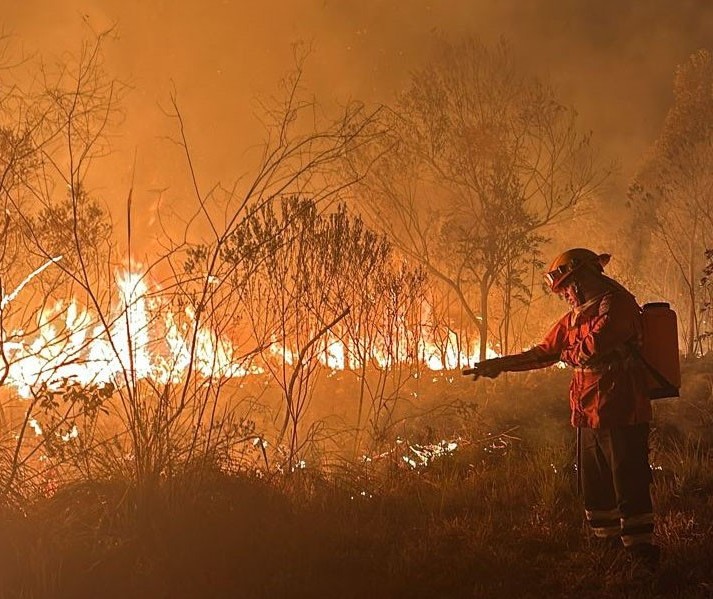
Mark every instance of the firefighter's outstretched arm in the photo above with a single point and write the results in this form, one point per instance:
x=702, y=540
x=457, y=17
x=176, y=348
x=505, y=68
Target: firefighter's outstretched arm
x=531, y=359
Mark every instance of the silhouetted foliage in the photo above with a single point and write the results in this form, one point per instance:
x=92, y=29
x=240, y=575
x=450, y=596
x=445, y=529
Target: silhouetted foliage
x=477, y=159
x=673, y=193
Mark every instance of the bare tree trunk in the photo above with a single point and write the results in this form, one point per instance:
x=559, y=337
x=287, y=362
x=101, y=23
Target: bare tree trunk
x=507, y=309
x=483, y=322
x=692, y=315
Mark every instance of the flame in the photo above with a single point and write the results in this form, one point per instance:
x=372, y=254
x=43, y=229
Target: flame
x=334, y=355
x=73, y=344
x=145, y=338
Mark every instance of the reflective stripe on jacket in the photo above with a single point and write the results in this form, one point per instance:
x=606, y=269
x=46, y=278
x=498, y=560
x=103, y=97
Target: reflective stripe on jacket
x=608, y=387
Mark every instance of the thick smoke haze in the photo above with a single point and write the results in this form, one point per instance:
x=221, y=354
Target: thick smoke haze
x=612, y=60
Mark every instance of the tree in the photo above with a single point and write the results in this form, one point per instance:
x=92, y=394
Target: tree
x=247, y=238
x=310, y=280
x=673, y=192
x=476, y=160
x=76, y=228
x=50, y=131
x=705, y=335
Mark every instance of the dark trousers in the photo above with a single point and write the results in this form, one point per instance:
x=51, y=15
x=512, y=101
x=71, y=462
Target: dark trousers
x=616, y=479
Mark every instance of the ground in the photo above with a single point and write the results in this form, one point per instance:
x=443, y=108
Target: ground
x=497, y=517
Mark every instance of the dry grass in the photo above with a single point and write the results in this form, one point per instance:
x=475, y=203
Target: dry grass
x=488, y=521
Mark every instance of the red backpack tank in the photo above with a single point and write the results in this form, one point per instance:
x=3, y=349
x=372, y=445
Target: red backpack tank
x=660, y=350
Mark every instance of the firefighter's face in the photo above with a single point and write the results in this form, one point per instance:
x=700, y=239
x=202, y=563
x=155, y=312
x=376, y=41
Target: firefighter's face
x=570, y=293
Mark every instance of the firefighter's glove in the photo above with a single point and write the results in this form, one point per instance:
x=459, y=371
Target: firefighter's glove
x=487, y=368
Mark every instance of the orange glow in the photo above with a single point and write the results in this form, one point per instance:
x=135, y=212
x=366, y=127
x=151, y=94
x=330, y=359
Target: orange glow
x=144, y=338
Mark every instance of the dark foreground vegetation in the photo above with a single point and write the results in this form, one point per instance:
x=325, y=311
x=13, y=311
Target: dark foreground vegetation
x=499, y=517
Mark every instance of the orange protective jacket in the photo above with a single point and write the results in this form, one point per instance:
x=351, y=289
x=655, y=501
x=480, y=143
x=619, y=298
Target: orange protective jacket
x=608, y=387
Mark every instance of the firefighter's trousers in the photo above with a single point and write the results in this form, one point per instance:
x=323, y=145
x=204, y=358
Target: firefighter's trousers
x=616, y=480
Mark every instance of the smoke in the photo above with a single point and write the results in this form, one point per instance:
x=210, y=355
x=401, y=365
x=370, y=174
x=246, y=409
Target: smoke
x=611, y=59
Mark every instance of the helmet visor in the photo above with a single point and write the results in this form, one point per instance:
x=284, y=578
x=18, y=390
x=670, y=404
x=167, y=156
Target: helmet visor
x=554, y=277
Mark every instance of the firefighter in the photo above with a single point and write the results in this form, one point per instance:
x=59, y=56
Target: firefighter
x=600, y=339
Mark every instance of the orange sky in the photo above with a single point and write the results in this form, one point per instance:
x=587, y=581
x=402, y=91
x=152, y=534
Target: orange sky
x=612, y=59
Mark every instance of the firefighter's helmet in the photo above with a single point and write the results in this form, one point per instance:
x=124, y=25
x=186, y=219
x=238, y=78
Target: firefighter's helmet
x=571, y=261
